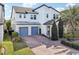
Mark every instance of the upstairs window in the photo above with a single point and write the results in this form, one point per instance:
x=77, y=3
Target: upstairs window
x=24, y=15
x=56, y=16
x=47, y=15
x=35, y=17
x=31, y=17
x=53, y=16
x=20, y=16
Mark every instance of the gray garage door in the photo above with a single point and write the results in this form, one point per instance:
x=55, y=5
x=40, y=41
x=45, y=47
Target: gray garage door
x=23, y=31
x=34, y=31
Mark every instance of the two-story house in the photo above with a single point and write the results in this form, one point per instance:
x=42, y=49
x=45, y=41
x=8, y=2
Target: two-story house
x=1, y=21
x=28, y=21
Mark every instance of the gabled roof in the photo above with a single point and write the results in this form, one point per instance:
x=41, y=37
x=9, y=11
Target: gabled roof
x=23, y=10
x=46, y=6
x=1, y=4
x=50, y=22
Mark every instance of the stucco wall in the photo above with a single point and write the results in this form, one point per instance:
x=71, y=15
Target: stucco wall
x=1, y=33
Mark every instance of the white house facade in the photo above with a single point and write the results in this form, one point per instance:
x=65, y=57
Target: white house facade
x=28, y=21
x=1, y=21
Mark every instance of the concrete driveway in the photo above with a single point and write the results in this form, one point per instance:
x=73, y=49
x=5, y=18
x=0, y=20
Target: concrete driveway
x=41, y=45
x=37, y=40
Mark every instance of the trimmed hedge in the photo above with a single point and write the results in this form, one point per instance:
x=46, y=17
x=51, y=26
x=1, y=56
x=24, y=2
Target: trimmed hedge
x=72, y=45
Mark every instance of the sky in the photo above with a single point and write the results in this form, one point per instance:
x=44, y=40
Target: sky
x=57, y=6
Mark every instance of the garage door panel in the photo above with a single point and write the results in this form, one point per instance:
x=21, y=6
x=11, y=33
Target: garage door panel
x=23, y=31
x=34, y=30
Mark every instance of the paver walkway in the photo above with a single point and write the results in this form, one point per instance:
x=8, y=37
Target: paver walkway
x=41, y=45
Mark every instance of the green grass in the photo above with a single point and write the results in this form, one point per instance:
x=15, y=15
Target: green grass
x=19, y=45
x=24, y=51
x=71, y=44
x=21, y=48
x=9, y=47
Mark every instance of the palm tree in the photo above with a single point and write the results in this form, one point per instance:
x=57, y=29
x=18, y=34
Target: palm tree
x=60, y=26
x=70, y=16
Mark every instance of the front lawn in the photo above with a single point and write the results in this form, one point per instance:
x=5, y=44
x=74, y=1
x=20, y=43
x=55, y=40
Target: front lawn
x=21, y=49
x=9, y=47
x=19, y=45
x=24, y=51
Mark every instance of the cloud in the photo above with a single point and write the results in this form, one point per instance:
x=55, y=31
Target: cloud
x=70, y=4
x=60, y=8
x=28, y=4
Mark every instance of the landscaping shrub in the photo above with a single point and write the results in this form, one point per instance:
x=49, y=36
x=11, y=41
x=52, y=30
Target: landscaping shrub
x=68, y=35
x=54, y=32
x=9, y=47
x=14, y=34
x=60, y=25
x=6, y=37
x=70, y=44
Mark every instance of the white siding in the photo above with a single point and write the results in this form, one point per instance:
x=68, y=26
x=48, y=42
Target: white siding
x=40, y=17
x=1, y=33
x=42, y=14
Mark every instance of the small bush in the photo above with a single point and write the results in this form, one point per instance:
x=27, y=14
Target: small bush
x=6, y=37
x=14, y=34
x=70, y=44
x=68, y=35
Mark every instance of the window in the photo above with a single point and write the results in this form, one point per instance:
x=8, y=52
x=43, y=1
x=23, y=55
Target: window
x=48, y=30
x=56, y=16
x=35, y=17
x=24, y=15
x=47, y=15
x=53, y=16
x=20, y=16
x=31, y=16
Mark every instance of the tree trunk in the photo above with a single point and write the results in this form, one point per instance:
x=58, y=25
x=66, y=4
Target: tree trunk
x=73, y=33
x=73, y=29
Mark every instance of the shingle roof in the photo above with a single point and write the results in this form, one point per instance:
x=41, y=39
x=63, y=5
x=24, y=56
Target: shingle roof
x=22, y=9
x=27, y=23
x=49, y=22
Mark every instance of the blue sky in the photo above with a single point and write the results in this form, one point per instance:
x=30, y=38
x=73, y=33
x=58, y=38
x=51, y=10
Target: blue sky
x=58, y=6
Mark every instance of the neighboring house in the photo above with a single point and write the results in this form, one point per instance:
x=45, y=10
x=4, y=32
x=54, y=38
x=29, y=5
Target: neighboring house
x=28, y=21
x=1, y=21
